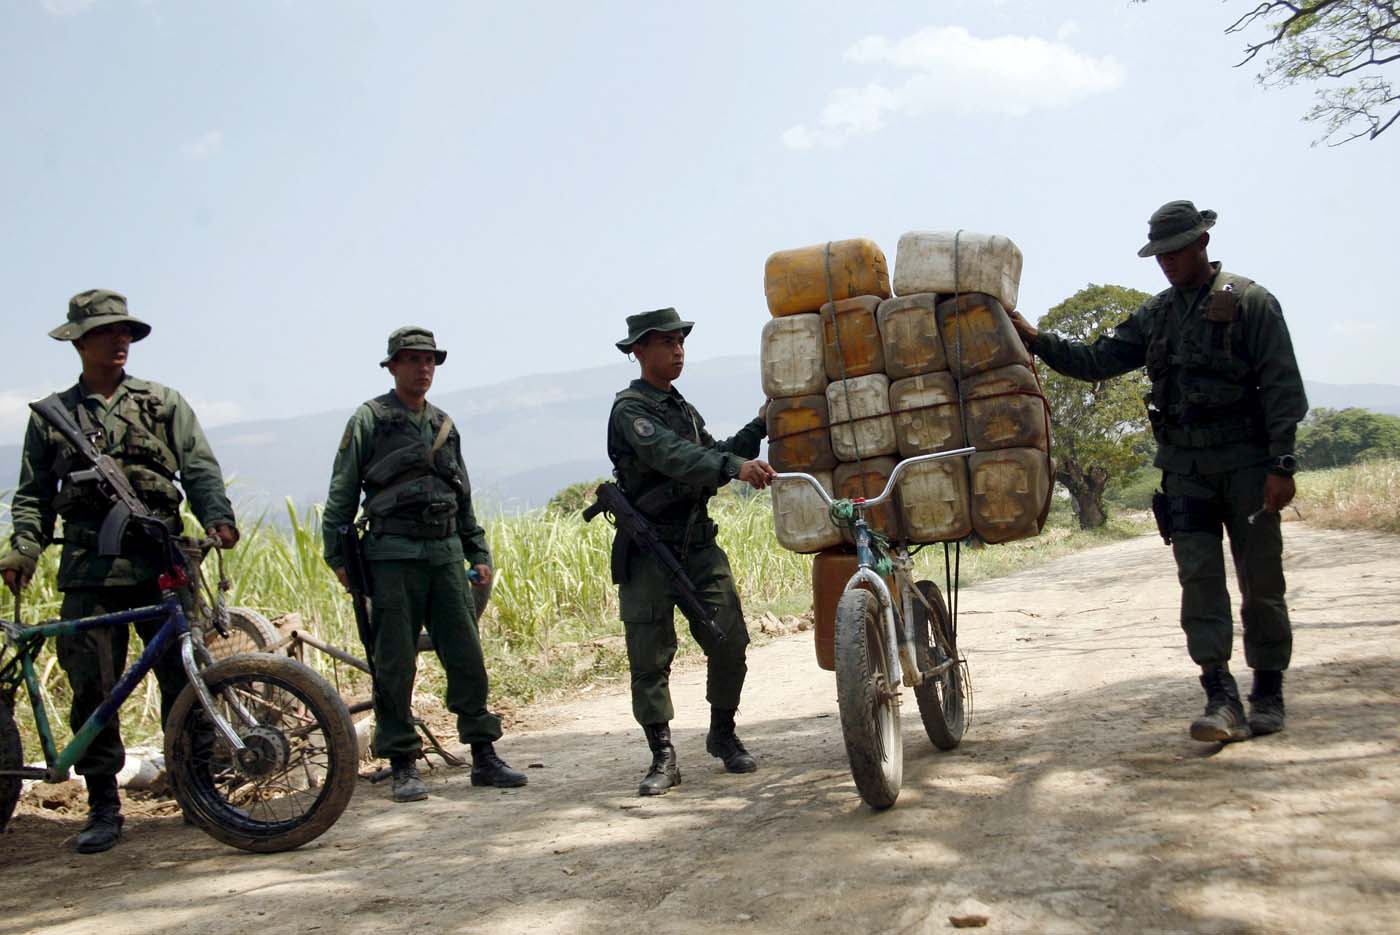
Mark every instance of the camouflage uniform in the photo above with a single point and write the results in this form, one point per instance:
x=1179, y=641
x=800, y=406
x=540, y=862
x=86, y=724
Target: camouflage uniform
x=151, y=431
x=1225, y=404
x=421, y=527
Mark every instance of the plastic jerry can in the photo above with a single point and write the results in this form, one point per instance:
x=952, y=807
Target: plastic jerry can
x=798, y=434
x=950, y=262
x=1005, y=409
x=860, y=417
x=831, y=569
x=862, y=351
x=1010, y=493
x=978, y=335
x=800, y=516
x=909, y=329
x=867, y=479
x=933, y=497
x=795, y=280
x=790, y=356
x=926, y=414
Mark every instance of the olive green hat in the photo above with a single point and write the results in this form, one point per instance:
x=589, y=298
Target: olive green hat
x=93, y=309
x=663, y=319
x=1175, y=225
x=412, y=338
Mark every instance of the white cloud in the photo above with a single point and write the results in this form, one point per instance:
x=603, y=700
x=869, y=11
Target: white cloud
x=66, y=7
x=1355, y=327
x=947, y=69
x=204, y=147
x=1068, y=28
x=216, y=411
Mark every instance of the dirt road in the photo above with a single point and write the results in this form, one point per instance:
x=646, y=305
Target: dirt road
x=1076, y=803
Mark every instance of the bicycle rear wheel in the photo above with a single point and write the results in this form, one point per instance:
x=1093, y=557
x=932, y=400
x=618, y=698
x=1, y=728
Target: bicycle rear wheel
x=298, y=773
x=249, y=632
x=867, y=693
x=11, y=757
x=941, y=698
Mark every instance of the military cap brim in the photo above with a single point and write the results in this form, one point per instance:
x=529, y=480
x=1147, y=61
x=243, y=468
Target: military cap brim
x=662, y=319
x=438, y=353
x=1174, y=242
x=73, y=330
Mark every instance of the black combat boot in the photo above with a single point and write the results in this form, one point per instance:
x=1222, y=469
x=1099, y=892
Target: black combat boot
x=1223, y=721
x=490, y=770
x=722, y=742
x=408, y=786
x=665, y=772
x=1266, y=702
x=104, y=824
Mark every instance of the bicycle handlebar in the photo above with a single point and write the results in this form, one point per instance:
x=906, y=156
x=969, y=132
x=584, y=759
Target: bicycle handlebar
x=889, y=486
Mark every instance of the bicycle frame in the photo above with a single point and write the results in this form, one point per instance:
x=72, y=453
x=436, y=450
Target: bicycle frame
x=899, y=633
x=28, y=641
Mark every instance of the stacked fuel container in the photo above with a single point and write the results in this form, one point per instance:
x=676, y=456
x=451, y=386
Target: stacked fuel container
x=860, y=379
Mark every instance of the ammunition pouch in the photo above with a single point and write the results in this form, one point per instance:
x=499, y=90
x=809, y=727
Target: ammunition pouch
x=1186, y=514
x=621, y=553
x=423, y=508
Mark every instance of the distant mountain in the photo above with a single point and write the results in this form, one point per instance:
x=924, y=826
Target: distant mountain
x=524, y=439
x=527, y=438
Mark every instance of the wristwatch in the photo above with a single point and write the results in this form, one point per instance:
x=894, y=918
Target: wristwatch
x=1284, y=465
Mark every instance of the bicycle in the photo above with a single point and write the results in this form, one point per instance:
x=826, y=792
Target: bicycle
x=881, y=643
x=259, y=749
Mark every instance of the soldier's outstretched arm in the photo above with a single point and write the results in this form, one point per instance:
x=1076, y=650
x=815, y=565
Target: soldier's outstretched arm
x=1120, y=351
x=200, y=473
x=666, y=452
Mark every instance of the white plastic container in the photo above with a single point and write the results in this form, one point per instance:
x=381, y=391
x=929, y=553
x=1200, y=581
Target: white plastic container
x=800, y=519
x=790, y=356
x=934, y=497
x=926, y=416
x=909, y=330
x=863, y=427
x=926, y=261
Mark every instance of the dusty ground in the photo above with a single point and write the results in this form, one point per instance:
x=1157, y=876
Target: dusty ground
x=1076, y=803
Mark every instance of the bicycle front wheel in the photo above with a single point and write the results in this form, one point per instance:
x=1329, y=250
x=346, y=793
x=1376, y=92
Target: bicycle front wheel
x=942, y=697
x=298, y=772
x=867, y=693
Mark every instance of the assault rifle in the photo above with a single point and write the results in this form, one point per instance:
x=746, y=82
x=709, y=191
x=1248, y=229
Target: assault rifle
x=637, y=530
x=110, y=480
x=357, y=573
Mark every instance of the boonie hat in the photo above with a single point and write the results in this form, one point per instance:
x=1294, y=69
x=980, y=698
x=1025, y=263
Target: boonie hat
x=1175, y=225
x=662, y=319
x=93, y=309
x=412, y=338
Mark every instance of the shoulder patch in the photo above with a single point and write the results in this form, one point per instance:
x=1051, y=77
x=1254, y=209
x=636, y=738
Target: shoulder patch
x=643, y=427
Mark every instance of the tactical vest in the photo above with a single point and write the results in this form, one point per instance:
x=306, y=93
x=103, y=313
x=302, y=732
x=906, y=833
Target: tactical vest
x=1204, y=391
x=144, y=448
x=677, y=509
x=412, y=488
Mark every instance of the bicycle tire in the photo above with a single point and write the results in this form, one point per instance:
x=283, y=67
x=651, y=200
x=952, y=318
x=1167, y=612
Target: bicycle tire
x=869, y=717
x=941, y=699
x=11, y=757
x=249, y=632
x=302, y=724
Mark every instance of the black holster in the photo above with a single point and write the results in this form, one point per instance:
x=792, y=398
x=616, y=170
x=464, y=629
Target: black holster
x=1162, y=514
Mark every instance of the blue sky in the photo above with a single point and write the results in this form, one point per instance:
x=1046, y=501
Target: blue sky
x=277, y=185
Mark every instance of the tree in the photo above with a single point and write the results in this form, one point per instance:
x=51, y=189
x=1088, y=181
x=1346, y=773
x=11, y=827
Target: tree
x=1100, y=429
x=1345, y=42
x=573, y=498
x=1332, y=437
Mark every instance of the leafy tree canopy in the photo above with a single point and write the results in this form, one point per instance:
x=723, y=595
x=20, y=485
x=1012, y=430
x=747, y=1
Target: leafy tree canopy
x=1334, y=437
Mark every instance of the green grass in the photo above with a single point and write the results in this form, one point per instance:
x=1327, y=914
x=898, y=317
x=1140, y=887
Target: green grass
x=1365, y=495
x=553, y=609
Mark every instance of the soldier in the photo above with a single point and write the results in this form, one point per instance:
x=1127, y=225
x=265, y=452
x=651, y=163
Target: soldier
x=153, y=434
x=407, y=456
x=669, y=467
x=1225, y=405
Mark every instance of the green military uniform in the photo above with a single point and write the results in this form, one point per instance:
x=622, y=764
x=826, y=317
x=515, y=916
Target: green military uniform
x=421, y=527
x=151, y=431
x=1225, y=403
x=669, y=467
